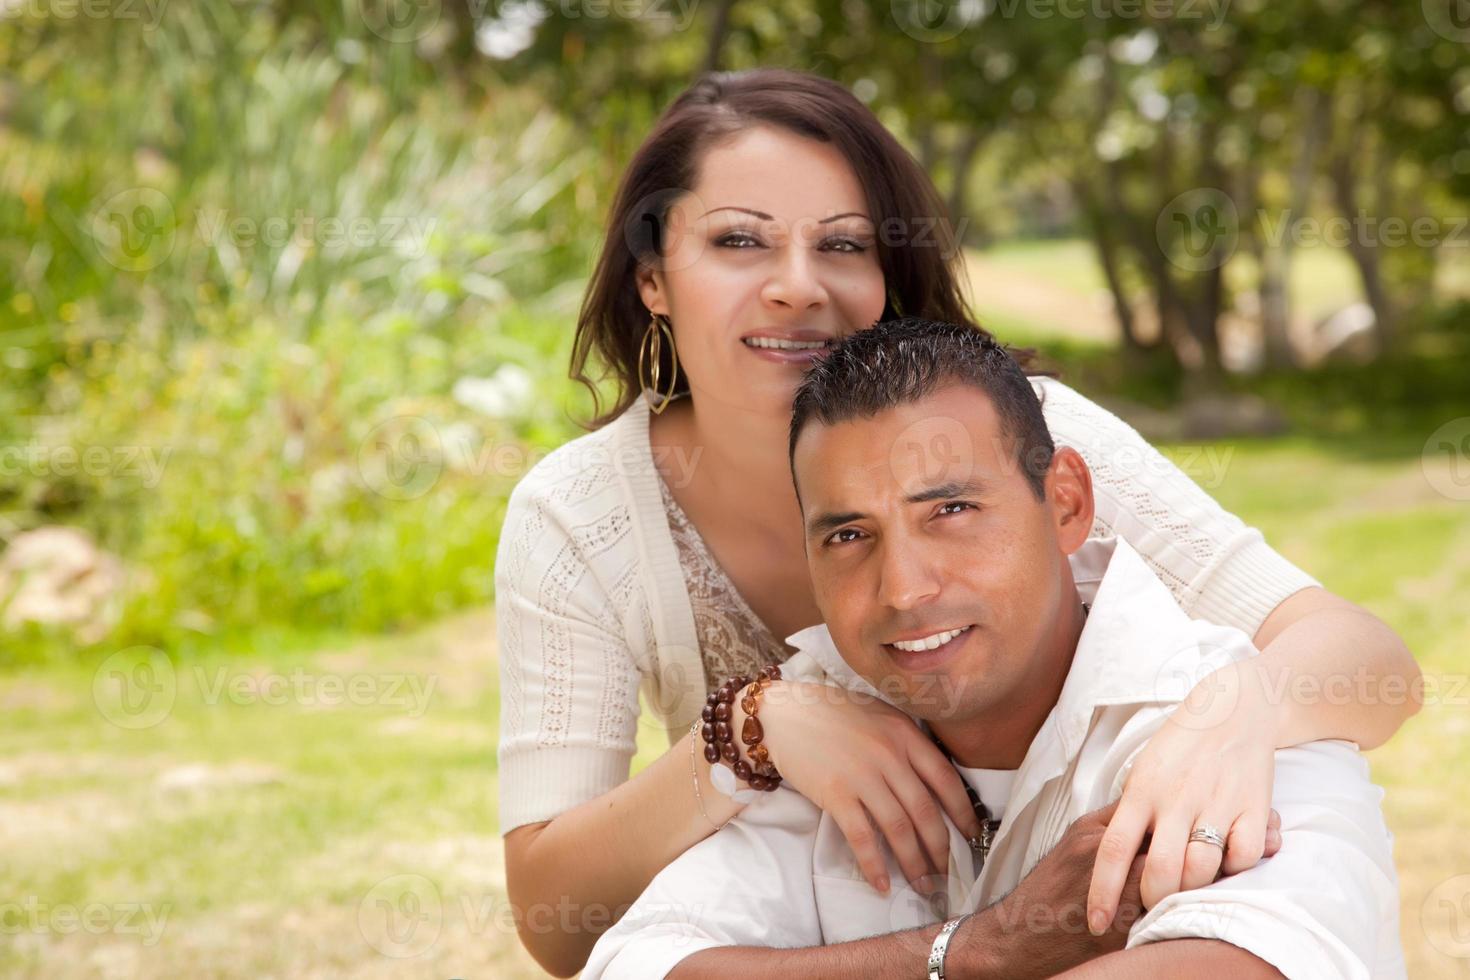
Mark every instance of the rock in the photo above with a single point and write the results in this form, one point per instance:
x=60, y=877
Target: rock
x=1203, y=417
x=59, y=576
x=1348, y=334
x=1227, y=416
x=199, y=776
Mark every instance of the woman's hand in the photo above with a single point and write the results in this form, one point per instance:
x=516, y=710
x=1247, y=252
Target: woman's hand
x=872, y=769
x=1213, y=763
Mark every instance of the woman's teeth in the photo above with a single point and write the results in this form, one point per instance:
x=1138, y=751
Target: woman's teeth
x=928, y=642
x=775, y=344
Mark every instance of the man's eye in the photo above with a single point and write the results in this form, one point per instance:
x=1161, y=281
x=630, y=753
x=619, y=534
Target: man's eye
x=844, y=536
x=959, y=505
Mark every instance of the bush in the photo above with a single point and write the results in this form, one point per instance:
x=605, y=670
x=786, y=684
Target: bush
x=249, y=283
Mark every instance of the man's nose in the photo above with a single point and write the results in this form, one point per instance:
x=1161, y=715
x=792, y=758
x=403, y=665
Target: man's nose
x=909, y=578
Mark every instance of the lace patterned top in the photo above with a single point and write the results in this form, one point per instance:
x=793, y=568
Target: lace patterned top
x=732, y=638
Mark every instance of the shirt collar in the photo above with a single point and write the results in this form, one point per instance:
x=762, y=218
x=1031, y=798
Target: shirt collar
x=1136, y=647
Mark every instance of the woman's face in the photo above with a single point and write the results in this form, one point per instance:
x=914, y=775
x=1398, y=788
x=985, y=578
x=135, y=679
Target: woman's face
x=767, y=260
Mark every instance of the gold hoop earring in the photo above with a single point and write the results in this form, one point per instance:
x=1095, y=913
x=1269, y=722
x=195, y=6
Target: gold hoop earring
x=652, y=346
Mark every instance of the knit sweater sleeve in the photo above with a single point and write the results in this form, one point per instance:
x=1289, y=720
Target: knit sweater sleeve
x=568, y=621
x=1218, y=568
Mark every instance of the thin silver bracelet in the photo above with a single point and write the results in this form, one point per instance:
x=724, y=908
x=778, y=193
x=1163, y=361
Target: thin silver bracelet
x=694, y=772
x=941, y=946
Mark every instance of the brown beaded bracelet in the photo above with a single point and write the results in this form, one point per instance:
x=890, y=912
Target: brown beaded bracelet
x=719, y=739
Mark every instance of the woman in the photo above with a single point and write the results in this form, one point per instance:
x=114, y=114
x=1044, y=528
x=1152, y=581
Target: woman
x=767, y=215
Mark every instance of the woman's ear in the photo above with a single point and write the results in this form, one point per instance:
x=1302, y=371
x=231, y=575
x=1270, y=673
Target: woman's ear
x=1069, y=492
x=651, y=289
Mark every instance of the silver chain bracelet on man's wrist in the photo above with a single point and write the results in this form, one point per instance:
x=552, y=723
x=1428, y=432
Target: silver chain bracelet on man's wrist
x=941, y=946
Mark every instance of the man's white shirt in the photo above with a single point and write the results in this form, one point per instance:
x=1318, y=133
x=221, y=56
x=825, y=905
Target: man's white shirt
x=781, y=874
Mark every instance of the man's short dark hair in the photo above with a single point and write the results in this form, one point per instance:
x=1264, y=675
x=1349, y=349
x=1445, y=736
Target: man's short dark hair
x=899, y=362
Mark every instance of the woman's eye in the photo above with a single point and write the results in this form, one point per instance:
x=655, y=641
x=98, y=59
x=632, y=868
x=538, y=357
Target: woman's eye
x=737, y=239
x=844, y=245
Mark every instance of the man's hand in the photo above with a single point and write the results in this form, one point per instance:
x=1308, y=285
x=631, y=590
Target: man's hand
x=1040, y=929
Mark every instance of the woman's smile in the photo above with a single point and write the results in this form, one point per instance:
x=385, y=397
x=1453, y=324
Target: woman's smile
x=799, y=346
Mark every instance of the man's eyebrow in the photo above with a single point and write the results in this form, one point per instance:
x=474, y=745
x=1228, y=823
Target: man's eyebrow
x=945, y=491
x=825, y=523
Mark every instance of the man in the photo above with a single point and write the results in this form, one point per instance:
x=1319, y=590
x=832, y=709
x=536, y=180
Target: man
x=947, y=543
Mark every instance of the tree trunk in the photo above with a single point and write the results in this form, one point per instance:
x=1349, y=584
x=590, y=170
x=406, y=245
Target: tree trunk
x=962, y=162
x=1364, y=255
x=718, y=31
x=1105, y=244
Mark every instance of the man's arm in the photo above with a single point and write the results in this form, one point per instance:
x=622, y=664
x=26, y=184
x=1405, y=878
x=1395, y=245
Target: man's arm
x=878, y=958
x=748, y=884
x=1036, y=931
x=1176, y=958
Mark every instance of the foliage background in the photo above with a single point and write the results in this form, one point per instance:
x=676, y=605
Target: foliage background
x=336, y=421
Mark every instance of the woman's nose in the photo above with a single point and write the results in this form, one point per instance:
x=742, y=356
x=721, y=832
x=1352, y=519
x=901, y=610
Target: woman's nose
x=795, y=283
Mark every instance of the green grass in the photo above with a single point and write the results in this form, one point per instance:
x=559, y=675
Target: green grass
x=269, y=870
x=238, y=810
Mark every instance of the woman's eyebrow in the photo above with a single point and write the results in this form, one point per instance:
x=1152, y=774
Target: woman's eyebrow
x=766, y=217
x=730, y=207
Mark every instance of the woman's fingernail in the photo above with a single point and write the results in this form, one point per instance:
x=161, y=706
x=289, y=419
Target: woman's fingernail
x=1097, y=921
x=883, y=885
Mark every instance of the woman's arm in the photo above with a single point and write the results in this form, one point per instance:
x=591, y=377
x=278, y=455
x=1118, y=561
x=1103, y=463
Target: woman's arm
x=1336, y=671
x=582, y=840
x=1221, y=570
x=1327, y=669
x=572, y=877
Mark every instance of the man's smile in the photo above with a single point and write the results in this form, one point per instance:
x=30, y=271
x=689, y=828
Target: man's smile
x=928, y=651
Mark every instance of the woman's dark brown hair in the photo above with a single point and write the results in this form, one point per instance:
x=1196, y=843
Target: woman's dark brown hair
x=920, y=273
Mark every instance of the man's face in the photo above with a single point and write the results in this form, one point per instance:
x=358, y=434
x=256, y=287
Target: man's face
x=919, y=523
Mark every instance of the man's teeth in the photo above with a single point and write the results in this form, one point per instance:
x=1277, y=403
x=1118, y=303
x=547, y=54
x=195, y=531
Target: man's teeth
x=928, y=642
x=775, y=344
